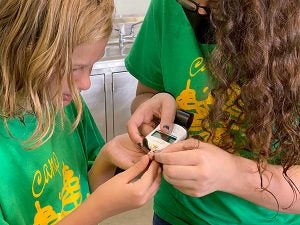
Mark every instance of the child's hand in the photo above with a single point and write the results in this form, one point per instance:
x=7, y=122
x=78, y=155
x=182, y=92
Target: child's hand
x=131, y=188
x=122, y=152
x=127, y=190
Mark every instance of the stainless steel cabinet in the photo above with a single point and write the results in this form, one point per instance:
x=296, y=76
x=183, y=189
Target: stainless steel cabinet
x=110, y=96
x=124, y=86
x=95, y=99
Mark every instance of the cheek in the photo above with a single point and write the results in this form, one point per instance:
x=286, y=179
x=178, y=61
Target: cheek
x=65, y=86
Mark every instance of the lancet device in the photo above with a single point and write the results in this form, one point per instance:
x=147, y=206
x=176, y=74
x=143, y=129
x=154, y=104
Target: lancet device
x=157, y=139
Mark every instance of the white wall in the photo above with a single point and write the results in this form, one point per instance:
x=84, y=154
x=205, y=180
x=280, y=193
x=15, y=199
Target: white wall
x=131, y=7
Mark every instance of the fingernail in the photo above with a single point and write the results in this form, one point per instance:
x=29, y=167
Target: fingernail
x=166, y=127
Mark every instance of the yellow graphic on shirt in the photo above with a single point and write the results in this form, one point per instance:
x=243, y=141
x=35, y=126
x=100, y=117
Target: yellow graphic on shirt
x=43, y=177
x=187, y=100
x=45, y=215
x=70, y=197
x=197, y=66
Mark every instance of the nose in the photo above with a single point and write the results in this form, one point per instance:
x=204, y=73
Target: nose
x=83, y=82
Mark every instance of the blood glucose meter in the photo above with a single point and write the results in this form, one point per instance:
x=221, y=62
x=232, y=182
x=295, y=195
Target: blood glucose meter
x=157, y=139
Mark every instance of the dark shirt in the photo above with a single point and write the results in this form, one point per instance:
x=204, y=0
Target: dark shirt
x=204, y=30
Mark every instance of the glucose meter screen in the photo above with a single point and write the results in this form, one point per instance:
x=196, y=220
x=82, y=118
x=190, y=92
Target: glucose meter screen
x=165, y=137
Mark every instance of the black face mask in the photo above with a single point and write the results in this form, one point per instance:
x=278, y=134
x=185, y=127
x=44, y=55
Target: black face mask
x=204, y=31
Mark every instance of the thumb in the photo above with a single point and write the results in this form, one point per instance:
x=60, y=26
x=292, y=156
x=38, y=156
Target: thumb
x=165, y=103
x=168, y=113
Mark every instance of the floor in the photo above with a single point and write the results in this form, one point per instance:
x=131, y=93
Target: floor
x=141, y=216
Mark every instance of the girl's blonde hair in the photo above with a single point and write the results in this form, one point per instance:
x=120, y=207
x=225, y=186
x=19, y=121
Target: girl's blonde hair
x=37, y=38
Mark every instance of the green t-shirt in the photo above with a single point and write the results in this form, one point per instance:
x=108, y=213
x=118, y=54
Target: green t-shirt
x=43, y=185
x=167, y=57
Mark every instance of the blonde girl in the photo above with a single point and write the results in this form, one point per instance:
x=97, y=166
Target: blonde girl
x=48, y=140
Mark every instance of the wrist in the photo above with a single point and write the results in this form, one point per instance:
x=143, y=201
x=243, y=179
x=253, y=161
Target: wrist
x=165, y=93
x=246, y=182
x=243, y=176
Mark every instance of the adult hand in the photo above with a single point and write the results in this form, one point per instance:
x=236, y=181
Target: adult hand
x=197, y=168
x=161, y=106
x=122, y=152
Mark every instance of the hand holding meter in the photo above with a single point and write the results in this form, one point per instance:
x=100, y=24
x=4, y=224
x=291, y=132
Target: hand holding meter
x=157, y=140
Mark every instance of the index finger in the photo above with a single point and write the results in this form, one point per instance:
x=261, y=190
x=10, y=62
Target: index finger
x=181, y=158
x=141, y=116
x=184, y=145
x=133, y=129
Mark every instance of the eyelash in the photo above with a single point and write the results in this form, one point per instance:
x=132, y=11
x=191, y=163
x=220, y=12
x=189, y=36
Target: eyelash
x=76, y=69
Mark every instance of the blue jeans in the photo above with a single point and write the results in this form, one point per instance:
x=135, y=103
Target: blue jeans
x=158, y=221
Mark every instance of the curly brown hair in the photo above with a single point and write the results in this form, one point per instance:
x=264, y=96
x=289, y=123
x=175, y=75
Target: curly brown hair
x=258, y=45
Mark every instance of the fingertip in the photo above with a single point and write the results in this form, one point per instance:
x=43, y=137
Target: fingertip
x=135, y=136
x=166, y=127
x=133, y=132
x=151, y=155
x=156, y=157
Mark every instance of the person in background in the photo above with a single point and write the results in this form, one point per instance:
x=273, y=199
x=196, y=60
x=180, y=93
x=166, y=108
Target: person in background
x=51, y=169
x=235, y=64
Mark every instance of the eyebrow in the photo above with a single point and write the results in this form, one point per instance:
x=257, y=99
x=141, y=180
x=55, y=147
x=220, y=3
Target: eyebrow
x=80, y=65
